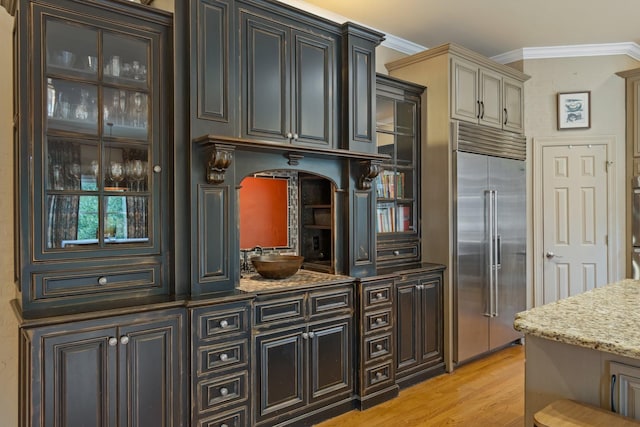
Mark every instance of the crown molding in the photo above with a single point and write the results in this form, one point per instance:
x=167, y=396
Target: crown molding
x=625, y=48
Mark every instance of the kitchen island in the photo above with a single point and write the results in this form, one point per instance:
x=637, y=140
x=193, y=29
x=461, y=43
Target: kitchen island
x=586, y=348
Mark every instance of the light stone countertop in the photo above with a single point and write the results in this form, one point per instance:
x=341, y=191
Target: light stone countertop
x=605, y=319
x=253, y=282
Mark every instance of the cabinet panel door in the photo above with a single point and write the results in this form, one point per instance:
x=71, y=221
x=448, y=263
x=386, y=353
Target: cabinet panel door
x=150, y=372
x=625, y=389
x=513, y=105
x=330, y=359
x=464, y=90
x=432, y=330
x=280, y=362
x=265, y=80
x=490, y=98
x=314, y=86
x=407, y=320
x=78, y=367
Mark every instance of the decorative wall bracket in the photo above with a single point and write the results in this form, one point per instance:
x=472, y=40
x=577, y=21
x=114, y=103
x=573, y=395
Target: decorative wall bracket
x=294, y=159
x=371, y=169
x=220, y=159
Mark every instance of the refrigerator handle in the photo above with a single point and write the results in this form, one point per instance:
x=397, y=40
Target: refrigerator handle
x=490, y=226
x=497, y=257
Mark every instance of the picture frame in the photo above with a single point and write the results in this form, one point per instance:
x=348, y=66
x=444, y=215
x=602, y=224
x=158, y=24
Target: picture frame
x=574, y=110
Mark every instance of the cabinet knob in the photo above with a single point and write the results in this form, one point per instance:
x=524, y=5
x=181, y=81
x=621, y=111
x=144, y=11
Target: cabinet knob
x=379, y=347
x=157, y=168
x=305, y=335
x=224, y=323
x=113, y=342
x=224, y=357
x=396, y=253
x=379, y=295
x=379, y=320
x=289, y=135
x=295, y=136
x=224, y=425
x=378, y=374
x=124, y=340
x=312, y=334
x=102, y=280
x=224, y=391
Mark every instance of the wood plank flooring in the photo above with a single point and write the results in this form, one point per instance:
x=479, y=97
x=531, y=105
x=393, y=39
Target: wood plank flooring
x=486, y=392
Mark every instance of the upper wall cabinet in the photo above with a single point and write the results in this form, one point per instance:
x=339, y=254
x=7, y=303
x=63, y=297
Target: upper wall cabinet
x=288, y=80
x=268, y=72
x=92, y=142
x=482, y=95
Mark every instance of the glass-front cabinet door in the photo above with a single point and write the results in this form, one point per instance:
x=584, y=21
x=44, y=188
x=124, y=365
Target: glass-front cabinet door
x=397, y=194
x=93, y=85
x=98, y=154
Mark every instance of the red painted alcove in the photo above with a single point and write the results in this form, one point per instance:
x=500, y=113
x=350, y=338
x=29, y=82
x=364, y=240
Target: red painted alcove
x=264, y=212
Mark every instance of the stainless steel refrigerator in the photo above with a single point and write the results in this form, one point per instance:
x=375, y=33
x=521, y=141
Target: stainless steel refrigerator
x=489, y=275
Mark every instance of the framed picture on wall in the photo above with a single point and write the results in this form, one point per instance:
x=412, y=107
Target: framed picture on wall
x=574, y=110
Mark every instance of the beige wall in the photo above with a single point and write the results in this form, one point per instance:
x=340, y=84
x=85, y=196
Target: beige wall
x=596, y=74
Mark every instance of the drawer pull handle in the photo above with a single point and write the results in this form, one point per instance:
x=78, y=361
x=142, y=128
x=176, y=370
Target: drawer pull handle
x=396, y=253
x=102, y=280
x=224, y=425
x=379, y=295
x=379, y=321
x=224, y=323
x=378, y=375
x=305, y=335
x=379, y=347
x=312, y=334
x=224, y=391
x=224, y=357
x=124, y=340
x=113, y=342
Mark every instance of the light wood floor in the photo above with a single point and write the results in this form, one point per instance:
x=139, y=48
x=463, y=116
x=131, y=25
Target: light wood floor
x=486, y=392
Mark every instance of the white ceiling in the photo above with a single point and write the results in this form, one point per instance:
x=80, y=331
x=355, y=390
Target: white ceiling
x=491, y=27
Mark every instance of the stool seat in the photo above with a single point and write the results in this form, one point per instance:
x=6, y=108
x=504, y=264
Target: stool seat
x=569, y=413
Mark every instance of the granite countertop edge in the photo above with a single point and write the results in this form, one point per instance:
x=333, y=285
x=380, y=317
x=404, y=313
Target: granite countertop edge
x=604, y=319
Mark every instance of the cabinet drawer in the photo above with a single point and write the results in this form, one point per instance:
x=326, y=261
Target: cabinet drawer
x=337, y=300
x=377, y=346
x=377, y=320
x=377, y=295
x=378, y=374
x=69, y=284
x=230, y=355
x=280, y=310
x=222, y=391
x=237, y=418
x=215, y=322
x=400, y=252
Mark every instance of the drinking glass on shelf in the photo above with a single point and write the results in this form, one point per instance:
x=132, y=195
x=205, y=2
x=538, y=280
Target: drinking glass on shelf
x=116, y=173
x=123, y=107
x=58, y=177
x=74, y=171
x=115, y=66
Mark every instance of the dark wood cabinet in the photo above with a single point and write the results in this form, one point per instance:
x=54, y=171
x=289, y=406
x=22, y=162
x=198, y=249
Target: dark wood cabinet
x=220, y=363
x=397, y=188
x=92, y=152
x=419, y=326
x=289, y=80
x=376, y=341
x=123, y=370
x=316, y=222
x=304, y=354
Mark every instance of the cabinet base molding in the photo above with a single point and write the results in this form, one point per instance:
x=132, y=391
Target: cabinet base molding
x=313, y=417
x=373, y=399
x=420, y=376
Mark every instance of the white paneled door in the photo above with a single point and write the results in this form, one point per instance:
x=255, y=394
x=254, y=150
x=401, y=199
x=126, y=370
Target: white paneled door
x=575, y=209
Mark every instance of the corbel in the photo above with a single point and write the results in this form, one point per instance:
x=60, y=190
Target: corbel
x=294, y=159
x=219, y=160
x=370, y=170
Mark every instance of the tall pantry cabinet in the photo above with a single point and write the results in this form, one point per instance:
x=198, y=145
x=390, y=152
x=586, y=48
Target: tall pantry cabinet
x=98, y=323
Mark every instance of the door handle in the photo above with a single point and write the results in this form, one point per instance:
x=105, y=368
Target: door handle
x=551, y=255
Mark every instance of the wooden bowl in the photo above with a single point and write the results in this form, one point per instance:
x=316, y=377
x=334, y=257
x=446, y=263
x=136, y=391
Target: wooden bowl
x=277, y=266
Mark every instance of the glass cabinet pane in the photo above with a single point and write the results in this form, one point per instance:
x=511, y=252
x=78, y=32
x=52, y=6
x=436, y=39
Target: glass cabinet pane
x=385, y=119
x=125, y=113
x=71, y=48
x=404, y=184
x=385, y=142
x=125, y=59
x=404, y=218
x=72, y=106
x=71, y=220
x=404, y=150
x=405, y=119
x=71, y=165
x=126, y=219
x=126, y=169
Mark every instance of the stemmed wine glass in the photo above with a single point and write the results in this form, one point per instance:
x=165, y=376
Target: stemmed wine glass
x=116, y=173
x=73, y=170
x=136, y=170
